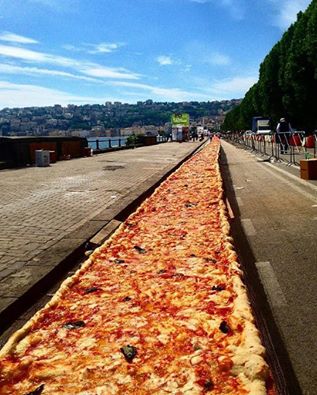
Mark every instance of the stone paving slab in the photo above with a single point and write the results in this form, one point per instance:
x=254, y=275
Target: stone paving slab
x=48, y=213
x=104, y=233
x=86, y=230
x=275, y=230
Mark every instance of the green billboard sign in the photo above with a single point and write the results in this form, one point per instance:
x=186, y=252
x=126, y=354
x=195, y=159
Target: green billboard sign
x=180, y=119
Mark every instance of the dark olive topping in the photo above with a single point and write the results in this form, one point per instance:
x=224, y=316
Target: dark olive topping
x=224, y=327
x=129, y=352
x=188, y=204
x=197, y=347
x=37, y=391
x=127, y=299
x=140, y=249
x=209, y=385
x=212, y=260
x=193, y=255
x=119, y=261
x=91, y=290
x=218, y=288
x=74, y=324
x=162, y=271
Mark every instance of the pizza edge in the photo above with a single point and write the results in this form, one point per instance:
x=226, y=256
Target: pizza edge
x=248, y=359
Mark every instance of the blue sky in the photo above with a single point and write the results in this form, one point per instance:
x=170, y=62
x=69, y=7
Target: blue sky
x=92, y=51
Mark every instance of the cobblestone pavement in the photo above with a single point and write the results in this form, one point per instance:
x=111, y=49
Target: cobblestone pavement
x=41, y=206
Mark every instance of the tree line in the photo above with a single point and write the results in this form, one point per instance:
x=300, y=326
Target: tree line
x=287, y=85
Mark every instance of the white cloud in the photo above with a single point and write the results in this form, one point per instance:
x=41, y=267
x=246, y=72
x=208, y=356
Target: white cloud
x=157, y=92
x=23, y=61
x=15, y=38
x=104, y=47
x=98, y=71
x=164, y=60
x=36, y=72
x=84, y=67
x=161, y=93
x=70, y=47
x=217, y=58
x=32, y=56
x=287, y=11
x=93, y=48
x=205, y=53
x=233, y=86
x=176, y=94
x=22, y=95
x=236, y=8
x=27, y=95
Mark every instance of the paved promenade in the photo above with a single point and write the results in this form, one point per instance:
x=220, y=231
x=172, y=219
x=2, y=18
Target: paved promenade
x=46, y=213
x=275, y=227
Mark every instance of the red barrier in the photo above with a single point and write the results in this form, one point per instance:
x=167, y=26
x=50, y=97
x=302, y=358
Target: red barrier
x=310, y=141
x=295, y=140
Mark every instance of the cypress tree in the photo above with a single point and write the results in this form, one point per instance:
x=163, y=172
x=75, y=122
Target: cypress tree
x=287, y=84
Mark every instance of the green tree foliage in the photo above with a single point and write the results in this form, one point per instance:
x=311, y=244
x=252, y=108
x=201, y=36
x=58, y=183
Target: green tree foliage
x=287, y=85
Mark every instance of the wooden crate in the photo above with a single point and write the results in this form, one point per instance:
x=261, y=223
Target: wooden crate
x=308, y=169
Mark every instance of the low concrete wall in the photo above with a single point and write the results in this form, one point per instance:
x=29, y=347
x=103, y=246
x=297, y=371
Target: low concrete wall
x=20, y=151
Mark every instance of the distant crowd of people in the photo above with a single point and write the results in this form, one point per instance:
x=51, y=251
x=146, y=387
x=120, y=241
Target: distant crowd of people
x=189, y=135
x=195, y=135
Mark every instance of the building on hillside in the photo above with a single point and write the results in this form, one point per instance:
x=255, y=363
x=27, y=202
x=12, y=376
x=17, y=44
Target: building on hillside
x=80, y=133
x=98, y=131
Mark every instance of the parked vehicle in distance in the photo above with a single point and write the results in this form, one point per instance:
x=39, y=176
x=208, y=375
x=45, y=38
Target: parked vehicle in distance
x=261, y=125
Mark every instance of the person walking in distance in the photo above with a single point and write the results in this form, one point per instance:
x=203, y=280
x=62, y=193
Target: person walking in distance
x=282, y=130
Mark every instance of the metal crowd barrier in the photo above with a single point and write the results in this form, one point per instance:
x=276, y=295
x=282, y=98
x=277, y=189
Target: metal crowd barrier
x=289, y=147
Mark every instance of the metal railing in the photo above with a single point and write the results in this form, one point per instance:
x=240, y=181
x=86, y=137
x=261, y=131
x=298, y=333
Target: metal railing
x=104, y=144
x=289, y=147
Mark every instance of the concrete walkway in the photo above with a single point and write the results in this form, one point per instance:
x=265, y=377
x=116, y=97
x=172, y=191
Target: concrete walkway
x=275, y=228
x=48, y=213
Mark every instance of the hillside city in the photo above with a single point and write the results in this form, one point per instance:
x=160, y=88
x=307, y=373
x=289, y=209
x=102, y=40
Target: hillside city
x=109, y=119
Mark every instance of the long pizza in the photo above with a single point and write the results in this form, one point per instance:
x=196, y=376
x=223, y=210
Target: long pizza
x=160, y=308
